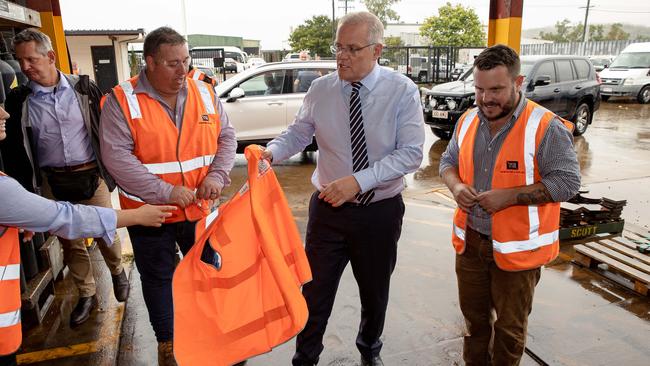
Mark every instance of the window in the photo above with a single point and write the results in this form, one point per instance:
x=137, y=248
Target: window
x=582, y=67
x=268, y=83
x=302, y=78
x=547, y=69
x=565, y=70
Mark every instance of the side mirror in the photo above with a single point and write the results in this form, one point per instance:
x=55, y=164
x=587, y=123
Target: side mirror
x=235, y=94
x=542, y=80
x=605, y=66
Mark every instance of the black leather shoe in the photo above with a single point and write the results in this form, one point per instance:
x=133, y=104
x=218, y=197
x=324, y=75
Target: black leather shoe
x=375, y=361
x=120, y=286
x=81, y=312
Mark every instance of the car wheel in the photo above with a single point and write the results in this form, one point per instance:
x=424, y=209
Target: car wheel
x=422, y=77
x=644, y=95
x=441, y=134
x=604, y=97
x=582, y=119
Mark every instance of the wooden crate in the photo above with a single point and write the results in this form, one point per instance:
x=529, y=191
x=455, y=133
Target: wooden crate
x=617, y=255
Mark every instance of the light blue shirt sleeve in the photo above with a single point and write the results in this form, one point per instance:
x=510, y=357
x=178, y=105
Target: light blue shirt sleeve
x=32, y=212
x=407, y=156
x=298, y=135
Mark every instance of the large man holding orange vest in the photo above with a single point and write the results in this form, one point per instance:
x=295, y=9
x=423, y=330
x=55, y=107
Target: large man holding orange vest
x=509, y=164
x=166, y=140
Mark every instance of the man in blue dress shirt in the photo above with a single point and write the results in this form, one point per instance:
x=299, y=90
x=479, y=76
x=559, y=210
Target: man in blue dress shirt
x=54, y=143
x=368, y=123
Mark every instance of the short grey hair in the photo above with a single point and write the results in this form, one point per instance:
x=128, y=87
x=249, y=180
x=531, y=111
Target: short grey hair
x=43, y=43
x=375, y=26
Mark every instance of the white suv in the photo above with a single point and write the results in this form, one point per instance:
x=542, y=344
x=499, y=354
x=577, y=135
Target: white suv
x=262, y=102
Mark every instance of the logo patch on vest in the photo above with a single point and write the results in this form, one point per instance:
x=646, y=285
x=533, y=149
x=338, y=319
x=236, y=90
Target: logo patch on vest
x=205, y=119
x=512, y=165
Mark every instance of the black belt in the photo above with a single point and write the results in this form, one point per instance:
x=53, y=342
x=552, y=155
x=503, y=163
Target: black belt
x=70, y=168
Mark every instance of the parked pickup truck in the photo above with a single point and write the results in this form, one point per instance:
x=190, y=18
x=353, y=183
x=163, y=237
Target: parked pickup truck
x=566, y=85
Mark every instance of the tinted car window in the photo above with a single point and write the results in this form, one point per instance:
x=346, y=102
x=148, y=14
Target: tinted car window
x=302, y=78
x=582, y=67
x=564, y=70
x=268, y=83
x=547, y=69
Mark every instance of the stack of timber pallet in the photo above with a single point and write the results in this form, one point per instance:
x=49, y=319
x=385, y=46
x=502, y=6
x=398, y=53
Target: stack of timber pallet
x=619, y=256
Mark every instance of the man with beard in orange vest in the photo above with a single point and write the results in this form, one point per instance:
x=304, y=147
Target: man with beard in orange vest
x=166, y=140
x=509, y=165
x=25, y=210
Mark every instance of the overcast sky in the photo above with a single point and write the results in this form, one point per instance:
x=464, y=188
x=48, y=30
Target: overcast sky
x=270, y=21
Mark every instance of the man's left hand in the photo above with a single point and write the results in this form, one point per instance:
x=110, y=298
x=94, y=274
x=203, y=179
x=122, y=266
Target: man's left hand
x=495, y=200
x=340, y=191
x=209, y=189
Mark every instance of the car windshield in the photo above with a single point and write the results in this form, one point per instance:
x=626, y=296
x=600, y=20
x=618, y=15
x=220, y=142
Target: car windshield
x=235, y=56
x=636, y=60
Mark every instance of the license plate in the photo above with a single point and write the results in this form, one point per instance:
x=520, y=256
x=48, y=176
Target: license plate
x=439, y=114
x=607, y=90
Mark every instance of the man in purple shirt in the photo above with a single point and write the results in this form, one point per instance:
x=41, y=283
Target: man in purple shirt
x=54, y=127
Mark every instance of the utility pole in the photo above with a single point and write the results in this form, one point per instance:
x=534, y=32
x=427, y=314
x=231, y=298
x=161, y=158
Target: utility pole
x=345, y=6
x=584, y=30
x=333, y=23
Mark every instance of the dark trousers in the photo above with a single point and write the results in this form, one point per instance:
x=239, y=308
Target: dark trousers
x=8, y=360
x=367, y=238
x=154, y=250
x=482, y=288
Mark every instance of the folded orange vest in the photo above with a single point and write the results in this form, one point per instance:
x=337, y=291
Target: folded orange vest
x=237, y=292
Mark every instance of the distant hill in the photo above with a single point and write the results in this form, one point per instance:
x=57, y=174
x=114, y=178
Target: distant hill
x=633, y=29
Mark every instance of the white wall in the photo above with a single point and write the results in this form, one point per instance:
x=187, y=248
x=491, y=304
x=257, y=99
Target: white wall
x=79, y=48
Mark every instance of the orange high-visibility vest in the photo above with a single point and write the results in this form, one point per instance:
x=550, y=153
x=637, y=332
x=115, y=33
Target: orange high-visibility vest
x=10, y=326
x=248, y=299
x=523, y=237
x=177, y=157
x=197, y=74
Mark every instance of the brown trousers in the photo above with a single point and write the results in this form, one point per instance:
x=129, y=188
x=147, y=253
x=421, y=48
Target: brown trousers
x=493, y=302
x=75, y=254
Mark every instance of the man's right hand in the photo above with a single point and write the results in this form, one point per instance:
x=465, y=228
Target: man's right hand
x=182, y=196
x=465, y=196
x=267, y=155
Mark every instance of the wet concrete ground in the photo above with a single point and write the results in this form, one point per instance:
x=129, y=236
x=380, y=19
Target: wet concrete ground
x=579, y=317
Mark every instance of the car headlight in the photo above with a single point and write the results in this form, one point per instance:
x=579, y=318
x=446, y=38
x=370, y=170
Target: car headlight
x=628, y=81
x=423, y=100
x=451, y=104
x=433, y=102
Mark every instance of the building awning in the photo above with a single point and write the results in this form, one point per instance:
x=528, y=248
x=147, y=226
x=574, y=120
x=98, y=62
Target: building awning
x=105, y=32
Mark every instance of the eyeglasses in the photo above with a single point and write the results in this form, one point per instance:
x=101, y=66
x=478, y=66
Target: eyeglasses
x=172, y=64
x=352, y=51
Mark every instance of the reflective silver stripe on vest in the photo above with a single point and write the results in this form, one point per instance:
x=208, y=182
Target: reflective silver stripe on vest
x=532, y=126
x=10, y=272
x=525, y=245
x=211, y=217
x=534, y=241
x=182, y=167
x=132, y=99
x=460, y=233
x=129, y=196
x=196, y=74
x=467, y=122
x=9, y=319
x=208, y=103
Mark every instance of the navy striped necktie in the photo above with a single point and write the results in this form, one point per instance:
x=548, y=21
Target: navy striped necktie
x=358, y=141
